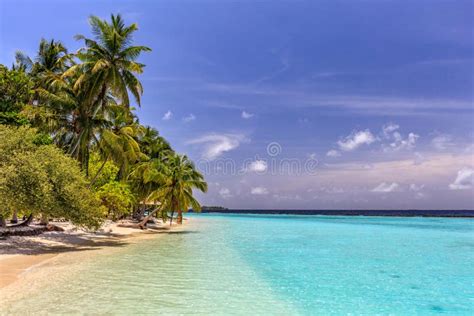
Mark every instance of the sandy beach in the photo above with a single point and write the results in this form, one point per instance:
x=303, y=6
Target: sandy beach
x=20, y=255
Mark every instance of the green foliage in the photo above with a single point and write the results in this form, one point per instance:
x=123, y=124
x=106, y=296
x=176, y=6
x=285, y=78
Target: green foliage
x=42, y=139
x=107, y=174
x=13, y=118
x=117, y=198
x=109, y=60
x=80, y=102
x=178, y=179
x=15, y=92
x=43, y=180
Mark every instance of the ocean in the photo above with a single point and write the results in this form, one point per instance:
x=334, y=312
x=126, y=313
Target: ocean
x=242, y=264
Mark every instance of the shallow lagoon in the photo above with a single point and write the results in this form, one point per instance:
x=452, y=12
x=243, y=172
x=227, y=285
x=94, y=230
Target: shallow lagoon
x=276, y=264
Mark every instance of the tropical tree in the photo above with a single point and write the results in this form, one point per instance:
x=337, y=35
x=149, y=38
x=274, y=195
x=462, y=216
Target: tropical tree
x=152, y=144
x=117, y=198
x=74, y=98
x=64, y=112
x=109, y=61
x=106, y=74
x=118, y=141
x=178, y=179
x=108, y=173
x=52, y=58
x=15, y=92
x=81, y=103
x=146, y=175
x=39, y=179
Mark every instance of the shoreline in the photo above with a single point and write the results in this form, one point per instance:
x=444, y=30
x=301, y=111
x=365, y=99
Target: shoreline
x=352, y=213
x=20, y=255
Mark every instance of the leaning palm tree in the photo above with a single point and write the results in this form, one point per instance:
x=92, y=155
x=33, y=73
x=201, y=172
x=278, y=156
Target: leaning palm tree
x=175, y=194
x=146, y=175
x=109, y=61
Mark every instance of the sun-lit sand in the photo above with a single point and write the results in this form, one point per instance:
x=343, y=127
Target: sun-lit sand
x=20, y=254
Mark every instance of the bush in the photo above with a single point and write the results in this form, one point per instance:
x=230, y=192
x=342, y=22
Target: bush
x=107, y=174
x=41, y=179
x=117, y=198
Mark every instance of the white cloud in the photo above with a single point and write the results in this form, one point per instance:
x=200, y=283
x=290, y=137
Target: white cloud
x=464, y=180
x=415, y=187
x=225, y=193
x=419, y=159
x=373, y=104
x=333, y=153
x=287, y=197
x=389, y=128
x=168, y=115
x=259, y=191
x=442, y=142
x=189, y=118
x=246, y=115
x=399, y=143
x=386, y=187
x=217, y=144
x=356, y=139
x=390, y=132
x=258, y=166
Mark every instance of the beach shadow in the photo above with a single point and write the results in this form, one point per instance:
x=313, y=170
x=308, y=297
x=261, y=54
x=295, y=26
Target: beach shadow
x=61, y=242
x=66, y=243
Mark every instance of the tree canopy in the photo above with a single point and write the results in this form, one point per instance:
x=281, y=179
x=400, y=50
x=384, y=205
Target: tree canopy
x=83, y=154
x=42, y=180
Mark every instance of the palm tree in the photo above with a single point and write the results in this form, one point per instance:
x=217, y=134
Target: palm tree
x=66, y=114
x=175, y=193
x=109, y=61
x=62, y=110
x=152, y=144
x=52, y=57
x=75, y=98
x=118, y=141
x=146, y=175
x=105, y=75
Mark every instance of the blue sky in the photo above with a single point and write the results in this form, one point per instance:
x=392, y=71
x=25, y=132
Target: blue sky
x=365, y=104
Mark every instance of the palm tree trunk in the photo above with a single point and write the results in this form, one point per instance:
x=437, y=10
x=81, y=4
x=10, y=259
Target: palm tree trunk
x=86, y=161
x=142, y=224
x=14, y=219
x=180, y=217
x=24, y=223
x=171, y=218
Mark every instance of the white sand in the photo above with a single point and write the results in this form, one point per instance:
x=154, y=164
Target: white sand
x=18, y=254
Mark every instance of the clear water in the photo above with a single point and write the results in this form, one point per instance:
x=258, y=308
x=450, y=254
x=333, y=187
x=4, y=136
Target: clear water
x=255, y=265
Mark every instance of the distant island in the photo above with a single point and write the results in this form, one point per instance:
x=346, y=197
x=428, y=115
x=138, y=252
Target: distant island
x=213, y=209
x=398, y=213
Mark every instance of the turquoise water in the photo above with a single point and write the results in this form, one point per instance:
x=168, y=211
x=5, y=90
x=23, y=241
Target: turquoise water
x=244, y=264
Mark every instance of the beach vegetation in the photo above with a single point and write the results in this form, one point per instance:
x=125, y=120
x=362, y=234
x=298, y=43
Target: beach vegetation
x=15, y=93
x=178, y=179
x=41, y=180
x=117, y=198
x=76, y=150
